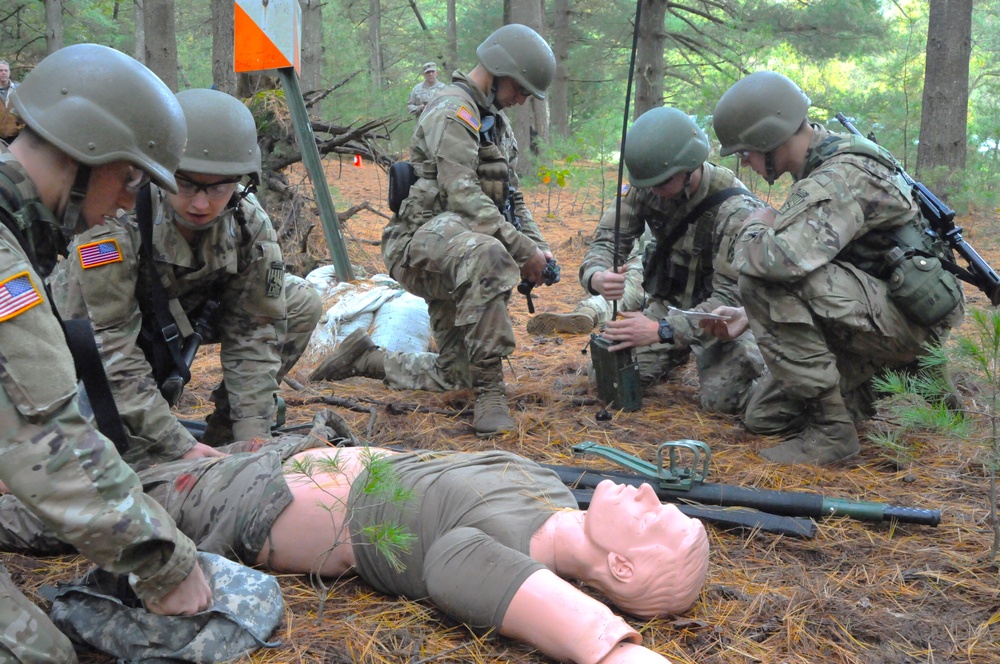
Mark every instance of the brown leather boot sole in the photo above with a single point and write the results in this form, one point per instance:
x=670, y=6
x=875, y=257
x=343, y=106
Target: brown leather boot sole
x=548, y=323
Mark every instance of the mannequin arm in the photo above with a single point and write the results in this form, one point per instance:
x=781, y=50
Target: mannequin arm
x=570, y=626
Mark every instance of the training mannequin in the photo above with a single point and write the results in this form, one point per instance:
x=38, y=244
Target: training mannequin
x=291, y=508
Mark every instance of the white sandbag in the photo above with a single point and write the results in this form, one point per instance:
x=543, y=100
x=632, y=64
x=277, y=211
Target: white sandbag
x=403, y=324
x=324, y=280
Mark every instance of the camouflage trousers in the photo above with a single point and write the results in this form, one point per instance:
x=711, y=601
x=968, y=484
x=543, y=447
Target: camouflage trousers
x=466, y=279
x=836, y=327
x=304, y=309
x=26, y=633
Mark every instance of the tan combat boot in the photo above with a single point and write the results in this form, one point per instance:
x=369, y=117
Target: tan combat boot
x=829, y=435
x=357, y=355
x=581, y=321
x=491, y=415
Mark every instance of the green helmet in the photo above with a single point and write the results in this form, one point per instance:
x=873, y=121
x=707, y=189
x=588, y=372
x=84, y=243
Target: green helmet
x=661, y=143
x=519, y=52
x=759, y=113
x=99, y=105
x=222, y=135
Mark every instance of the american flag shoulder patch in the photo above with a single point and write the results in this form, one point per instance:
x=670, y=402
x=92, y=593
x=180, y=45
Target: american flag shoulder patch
x=17, y=295
x=98, y=253
x=466, y=116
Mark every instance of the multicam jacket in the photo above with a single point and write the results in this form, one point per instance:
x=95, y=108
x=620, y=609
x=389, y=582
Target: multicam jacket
x=50, y=456
x=700, y=262
x=240, y=260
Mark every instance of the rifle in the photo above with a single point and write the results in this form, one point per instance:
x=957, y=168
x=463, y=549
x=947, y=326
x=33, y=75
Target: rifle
x=686, y=484
x=173, y=386
x=941, y=219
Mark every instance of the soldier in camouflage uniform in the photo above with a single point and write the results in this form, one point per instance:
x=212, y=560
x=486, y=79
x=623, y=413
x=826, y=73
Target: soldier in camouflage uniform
x=82, y=155
x=822, y=296
x=211, y=240
x=422, y=92
x=451, y=245
x=693, y=209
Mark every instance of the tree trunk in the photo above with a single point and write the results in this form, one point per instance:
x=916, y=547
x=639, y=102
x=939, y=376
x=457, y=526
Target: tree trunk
x=223, y=71
x=648, y=79
x=53, y=26
x=139, y=52
x=531, y=119
x=161, y=40
x=375, y=65
x=452, y=63
x=559, y=93
x=946, y=88
x=312, y=45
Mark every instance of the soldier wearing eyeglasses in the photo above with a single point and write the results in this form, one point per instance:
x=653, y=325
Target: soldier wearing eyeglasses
x=215, y=252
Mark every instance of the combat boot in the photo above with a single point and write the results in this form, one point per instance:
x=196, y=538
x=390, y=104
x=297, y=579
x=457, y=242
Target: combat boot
x=829, y=435
x=581, y=321
x=491, y=415
x=357, y=355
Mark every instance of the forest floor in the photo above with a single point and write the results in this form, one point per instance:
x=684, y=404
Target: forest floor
x=859, y=592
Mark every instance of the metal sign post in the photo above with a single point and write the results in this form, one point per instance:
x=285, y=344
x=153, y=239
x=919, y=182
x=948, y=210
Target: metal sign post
x=267, y=35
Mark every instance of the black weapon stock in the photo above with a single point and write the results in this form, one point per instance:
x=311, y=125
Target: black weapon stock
x=173, y=386
x=942, y=223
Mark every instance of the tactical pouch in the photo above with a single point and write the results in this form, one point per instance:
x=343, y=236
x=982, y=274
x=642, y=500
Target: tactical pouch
x=402, y=176
x=493, y=173
x=920, y=286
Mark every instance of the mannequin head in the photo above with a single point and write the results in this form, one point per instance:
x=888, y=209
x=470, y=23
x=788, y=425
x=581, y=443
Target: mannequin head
x=656, y=558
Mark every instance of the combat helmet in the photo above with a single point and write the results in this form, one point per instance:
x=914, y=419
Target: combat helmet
x=98, y=105
x=222, y=135
x=661, y=143
x=519, y=52
x=759, y=113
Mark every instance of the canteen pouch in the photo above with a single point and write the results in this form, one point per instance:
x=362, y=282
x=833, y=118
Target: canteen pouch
x=920, y=286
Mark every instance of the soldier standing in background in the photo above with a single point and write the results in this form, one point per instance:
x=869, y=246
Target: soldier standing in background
x=451, y=245
x=82, y=155
x=815, y=275
x=9, y=124
x=422, y=92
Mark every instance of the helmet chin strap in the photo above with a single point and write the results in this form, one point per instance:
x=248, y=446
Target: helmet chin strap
x=493, y=91
x=687, y=185
x=770, y=173
x=72, y=219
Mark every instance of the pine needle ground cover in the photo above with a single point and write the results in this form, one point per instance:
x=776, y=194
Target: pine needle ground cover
x=856, y=593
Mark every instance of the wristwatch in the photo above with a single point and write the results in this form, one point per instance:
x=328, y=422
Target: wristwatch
x=666, y=332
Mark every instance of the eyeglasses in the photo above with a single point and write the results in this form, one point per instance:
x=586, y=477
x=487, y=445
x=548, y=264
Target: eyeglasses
x=214, y=190
x=137, y=179
x=521, y=90
x=743, y=154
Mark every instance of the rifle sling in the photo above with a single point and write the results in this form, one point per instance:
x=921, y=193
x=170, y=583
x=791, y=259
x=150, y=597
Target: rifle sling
x=169, y=332
x=86, y=358
x=706, y=204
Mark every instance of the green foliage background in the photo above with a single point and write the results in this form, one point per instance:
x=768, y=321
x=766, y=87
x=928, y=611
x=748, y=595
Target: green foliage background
x=862, y=57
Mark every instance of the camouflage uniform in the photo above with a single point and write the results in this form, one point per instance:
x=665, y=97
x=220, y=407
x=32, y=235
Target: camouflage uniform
x=264, y=320
x=814, y=284
x=450, y=245
x=63, y=470
x=422, y=94
x=701, y=277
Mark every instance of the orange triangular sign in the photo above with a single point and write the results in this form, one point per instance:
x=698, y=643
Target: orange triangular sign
x=253, y=50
